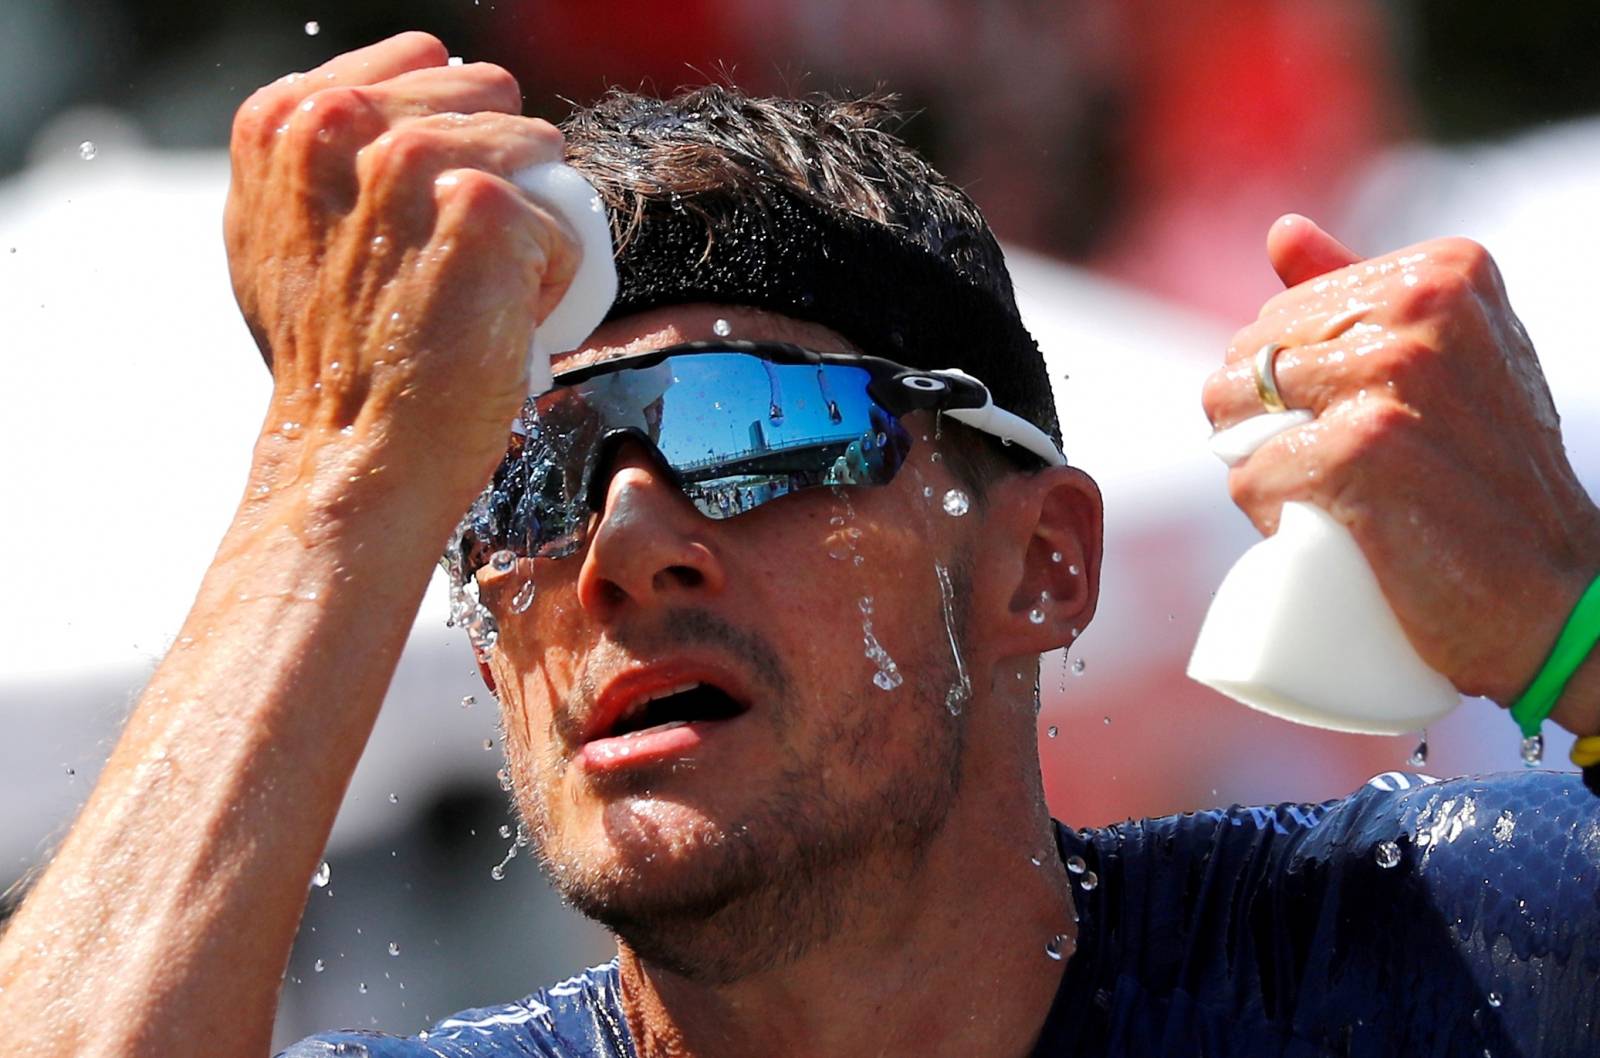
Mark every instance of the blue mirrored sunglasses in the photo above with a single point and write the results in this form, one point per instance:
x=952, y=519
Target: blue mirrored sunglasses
x=736, y=425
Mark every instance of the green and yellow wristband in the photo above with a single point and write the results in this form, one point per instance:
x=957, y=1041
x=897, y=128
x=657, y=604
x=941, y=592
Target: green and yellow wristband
x=1573, y=646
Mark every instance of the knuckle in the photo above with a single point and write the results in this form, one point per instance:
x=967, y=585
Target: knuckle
x=499, y=80
x=397, y=153
x=473, y=190
x=261, y=114
x=1371, y=426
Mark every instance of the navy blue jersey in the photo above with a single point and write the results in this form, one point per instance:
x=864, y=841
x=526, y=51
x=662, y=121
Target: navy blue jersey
x=1414, y=918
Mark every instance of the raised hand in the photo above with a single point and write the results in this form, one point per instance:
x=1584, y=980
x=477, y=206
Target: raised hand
x=1435, y=441
x=390, y=273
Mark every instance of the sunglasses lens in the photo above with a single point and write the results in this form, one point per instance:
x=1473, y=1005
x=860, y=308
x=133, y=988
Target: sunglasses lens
x=736, y=430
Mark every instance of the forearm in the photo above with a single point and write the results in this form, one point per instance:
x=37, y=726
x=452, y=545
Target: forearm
x=165, y=921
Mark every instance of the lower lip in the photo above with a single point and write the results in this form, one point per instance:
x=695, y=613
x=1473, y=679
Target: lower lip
x=649, y=746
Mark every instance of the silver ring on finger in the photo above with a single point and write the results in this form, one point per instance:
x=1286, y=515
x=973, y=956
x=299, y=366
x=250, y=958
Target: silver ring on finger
x=1266, y=378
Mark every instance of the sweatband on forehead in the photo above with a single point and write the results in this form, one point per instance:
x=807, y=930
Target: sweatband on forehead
x=882, y=291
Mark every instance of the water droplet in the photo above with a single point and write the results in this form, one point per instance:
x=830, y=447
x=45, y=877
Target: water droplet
x=290, y=430
x=1055, y=556
x=956, y=503
x=1089, y=880
x=887, y=679
x=1075, y=865
x=1387, y=853
x=318, y=966
x=722, y=328
x=1419, y=756
x=488, y=743
x=468, y=701
x=394, y=798
x=497, y=872
x=1052, y=731
x=1494, y=999
x=456, y=60
x=362, y=988
x=1073, y=570
x=87, y=150
x=505, y=830
x=394, y=949
x=323, y=873
x=1077, y=670
x=1505, y=825
x=1053, y=948
x=1533, y=751
x=1036, y=615
x=523, y=599
x=502, y=560
x=1036, y=861
x=312, y=29
x=504, y=778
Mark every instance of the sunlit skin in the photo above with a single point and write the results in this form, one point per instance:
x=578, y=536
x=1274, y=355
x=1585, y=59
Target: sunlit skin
x=922, y=808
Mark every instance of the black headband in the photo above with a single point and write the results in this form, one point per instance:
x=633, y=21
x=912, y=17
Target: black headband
x=887, y=294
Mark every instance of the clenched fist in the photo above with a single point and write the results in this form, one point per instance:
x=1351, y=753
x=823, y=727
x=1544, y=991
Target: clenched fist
x=390, y=273
x=1434, y=441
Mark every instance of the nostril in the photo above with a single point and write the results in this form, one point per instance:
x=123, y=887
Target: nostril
x=679, y=576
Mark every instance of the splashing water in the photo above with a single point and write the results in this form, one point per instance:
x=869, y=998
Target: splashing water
x=1387, y=853
x=888, y=677
x=961, y=690
x=498, y=871
x=956, y=503
x=1533, y=751
x=1419, y=756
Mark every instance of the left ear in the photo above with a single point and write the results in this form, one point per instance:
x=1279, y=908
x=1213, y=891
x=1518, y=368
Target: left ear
x=1045, y=535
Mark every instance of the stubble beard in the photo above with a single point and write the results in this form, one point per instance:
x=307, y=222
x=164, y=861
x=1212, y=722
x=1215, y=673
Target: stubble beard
x=759, y=892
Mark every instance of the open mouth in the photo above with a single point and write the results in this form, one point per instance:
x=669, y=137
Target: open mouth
x=673, y=707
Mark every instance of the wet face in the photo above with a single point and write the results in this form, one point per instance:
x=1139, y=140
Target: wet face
x=718, y=729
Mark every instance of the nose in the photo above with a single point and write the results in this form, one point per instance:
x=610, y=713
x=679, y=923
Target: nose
x=651, y=547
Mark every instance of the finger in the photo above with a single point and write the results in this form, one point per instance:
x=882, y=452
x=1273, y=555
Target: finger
x=468, y=89
x=401, y=165
x=1300, y=250
x=389, y=58
x=1308, y=377
x=269, y=109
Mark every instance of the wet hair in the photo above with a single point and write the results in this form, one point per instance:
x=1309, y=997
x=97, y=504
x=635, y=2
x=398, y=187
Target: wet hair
x=713, y=186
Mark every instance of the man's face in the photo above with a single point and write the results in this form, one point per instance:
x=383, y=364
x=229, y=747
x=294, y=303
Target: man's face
x=796, y=769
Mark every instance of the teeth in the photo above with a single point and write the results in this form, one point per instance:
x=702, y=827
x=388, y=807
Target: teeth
x=652, y=730
x=666, y=692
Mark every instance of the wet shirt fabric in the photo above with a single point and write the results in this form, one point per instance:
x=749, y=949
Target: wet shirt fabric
x=1414, y=918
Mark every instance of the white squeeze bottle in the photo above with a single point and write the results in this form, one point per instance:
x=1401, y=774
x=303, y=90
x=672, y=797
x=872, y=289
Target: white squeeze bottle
x=1300, y=629
x=563, y=191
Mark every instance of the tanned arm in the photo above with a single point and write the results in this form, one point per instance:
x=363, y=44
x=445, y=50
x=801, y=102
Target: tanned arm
x=392, y=277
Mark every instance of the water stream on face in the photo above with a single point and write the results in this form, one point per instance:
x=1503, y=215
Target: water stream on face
x=961, y=690
x=888, y=677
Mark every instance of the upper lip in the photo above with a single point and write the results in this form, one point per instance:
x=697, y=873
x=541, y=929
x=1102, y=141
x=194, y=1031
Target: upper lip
x=646, y=682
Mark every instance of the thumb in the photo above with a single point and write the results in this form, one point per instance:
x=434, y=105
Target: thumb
x=1299, y=250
